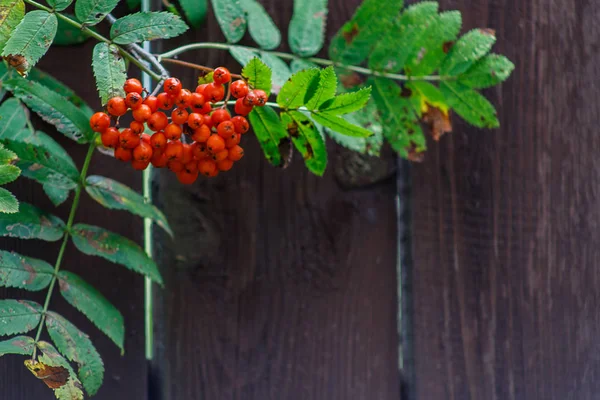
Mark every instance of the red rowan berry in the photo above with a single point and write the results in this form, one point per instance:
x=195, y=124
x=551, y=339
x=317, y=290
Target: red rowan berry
x=174, y=150
x=110, y=137
x=128, y=139
x=165, y=101
x=201, y=134
x=214, y=92
x=208, y=121
x=239, y=89
x=152, y=102
x=220, y=115
x=250, y=98
x=183, y=99
x=215, y=143
x=226, y=129
x=137, y=127
x=133, y=100
x=133, y=86
x=158, y=140
x=241, y=107
x=123, y=154
x=199, y=151
x=191, y=166
x=173, y=131
x=195, y=120
x=236, y=153
x=172, y=86
x=142, y=152
x=187, y=155
x=197, y=100
x=100, y=122
x=116, y=106
x=187, y=177
x=179, y=116
x=221, y=155
x=140, y=165
x=145, y=138
x=233, y=141
x=142, y=113
x=159, y=159
x=221, y=75
x=240, y=124
x=224, y=165
x=261, y=98
x=206, y=167
x=206, y=108
x=200, y=88
x=175, y=165
x=157, y=121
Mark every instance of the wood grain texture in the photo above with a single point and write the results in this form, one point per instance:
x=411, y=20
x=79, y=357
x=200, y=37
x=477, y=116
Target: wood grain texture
x=281, y=285
x=125, y=376
x=506, y=223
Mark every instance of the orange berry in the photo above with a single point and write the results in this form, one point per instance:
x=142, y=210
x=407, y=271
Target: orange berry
x=137, y=127
x=159, y=159
x=215, y=143
x=157, y=121
x=142, y=113
x=174, y=151
x=261, y=98
x=201, y=134
x=173, y=131
x=142, y=152
x=145, y=138
x=110, y=137
x=187, y=177
x=199, y=151
x=206, y=108
x=220, y=115
x=183, y=99
x=152, y=102
x=236, y=153
x=240, y=124
x=224, y=165
x=123, y=154
x=206, y=167
x=195, y=120
x=140, y=165
x=200, y=88
x=192, y=166
x=208, y=121
x=133, y=85
x=175, y=165
x=172, y=86
x=165, y=101
x=197, y=100
x=187, y=154
x=250, y=98
x=133, y=100
x=179, y=116
x=233, y=141
x=158, y=140
x=239, y=89
x=128, y=139
x=221, y=75
x=100, y=122
x=241, y=107
x=226, y=129
x=221, y=155
x=116, y=106
x=214, y=92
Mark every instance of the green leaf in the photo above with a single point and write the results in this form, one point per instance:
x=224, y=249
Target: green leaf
x=133, y=4
x=467, y=50
x=8, y=173
x=322, y=89
x=31, y=223
x=208, y=78
x=42, y=165
x=299, y=64
x=347, y=102
x=143, y=26
x=11, y=13
x=18, y=316
x=114, y=195
x=6, y=156
x=307, y=140
x=72, y=389
x=76, y=346
x=59, y=5
x=269, y=132
x=96, y=241
x=231, y=18
x=57, y=86
x=258, y=75
x=487, y=72
x=429, y=50
x=53, y=108
x=294, y=91
x=194, y=10
x=371, y=21
x=242, y=55
x=17, y=345
x=307, y=27
x=423, y=93
x=260, y=25
x=8, y=202
x=400, y=124
x=56, y=195
x=470, y=105
x=281, y=71
x=90, y=12
x=24, y=272
x=93, y=305
x=12, y=118
x=109, y=70
x=32, y=37
x=340, y=125
x=399, y=43
x=68, y=35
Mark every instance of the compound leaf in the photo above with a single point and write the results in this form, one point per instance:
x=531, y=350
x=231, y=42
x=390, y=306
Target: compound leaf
x=294, y=91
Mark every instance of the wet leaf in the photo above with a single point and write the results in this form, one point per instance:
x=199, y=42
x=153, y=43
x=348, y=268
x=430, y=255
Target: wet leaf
x=470, y=105
x=17, y=345
x=471, y=47
x=90, y=12
x=194, y=10
x=307, y=27
x=307, y=140
x=109, y=70
x=76, y=346
x=114, y=195
x=24, y=272
x=96, y=241
x=231, y=18
x=294, y=91
x=143, y=26
x=11, y=13
x=18, y=316
x=258, y=75
x=269, y=131
x=321, y=89
x=31, y=223
x=32, y=37
x=260, y=25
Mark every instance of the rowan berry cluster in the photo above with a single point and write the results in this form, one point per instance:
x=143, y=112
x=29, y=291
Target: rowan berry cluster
x=215, y=133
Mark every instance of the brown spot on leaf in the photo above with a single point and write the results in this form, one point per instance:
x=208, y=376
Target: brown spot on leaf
x=437, y=120
x=237, y=22
x=350, y=80
x=415, y=155
x=292, y=129
x=350, y=33
x=53, y=377
x=447, y=46
x=18, y=62
x=406, y=92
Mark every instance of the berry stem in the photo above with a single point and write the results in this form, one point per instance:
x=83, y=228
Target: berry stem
x=61, y=252
x=288, y=56
x=194, y=66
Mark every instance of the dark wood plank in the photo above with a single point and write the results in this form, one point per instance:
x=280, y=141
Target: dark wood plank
x=284, y=285
x=506, y=283
x=125, y=376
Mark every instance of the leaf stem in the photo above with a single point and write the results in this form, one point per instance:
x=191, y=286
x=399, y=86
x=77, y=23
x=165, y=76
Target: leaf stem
x=98, y=37
x=194, y=66
x=288, y=56
x=61, y=252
